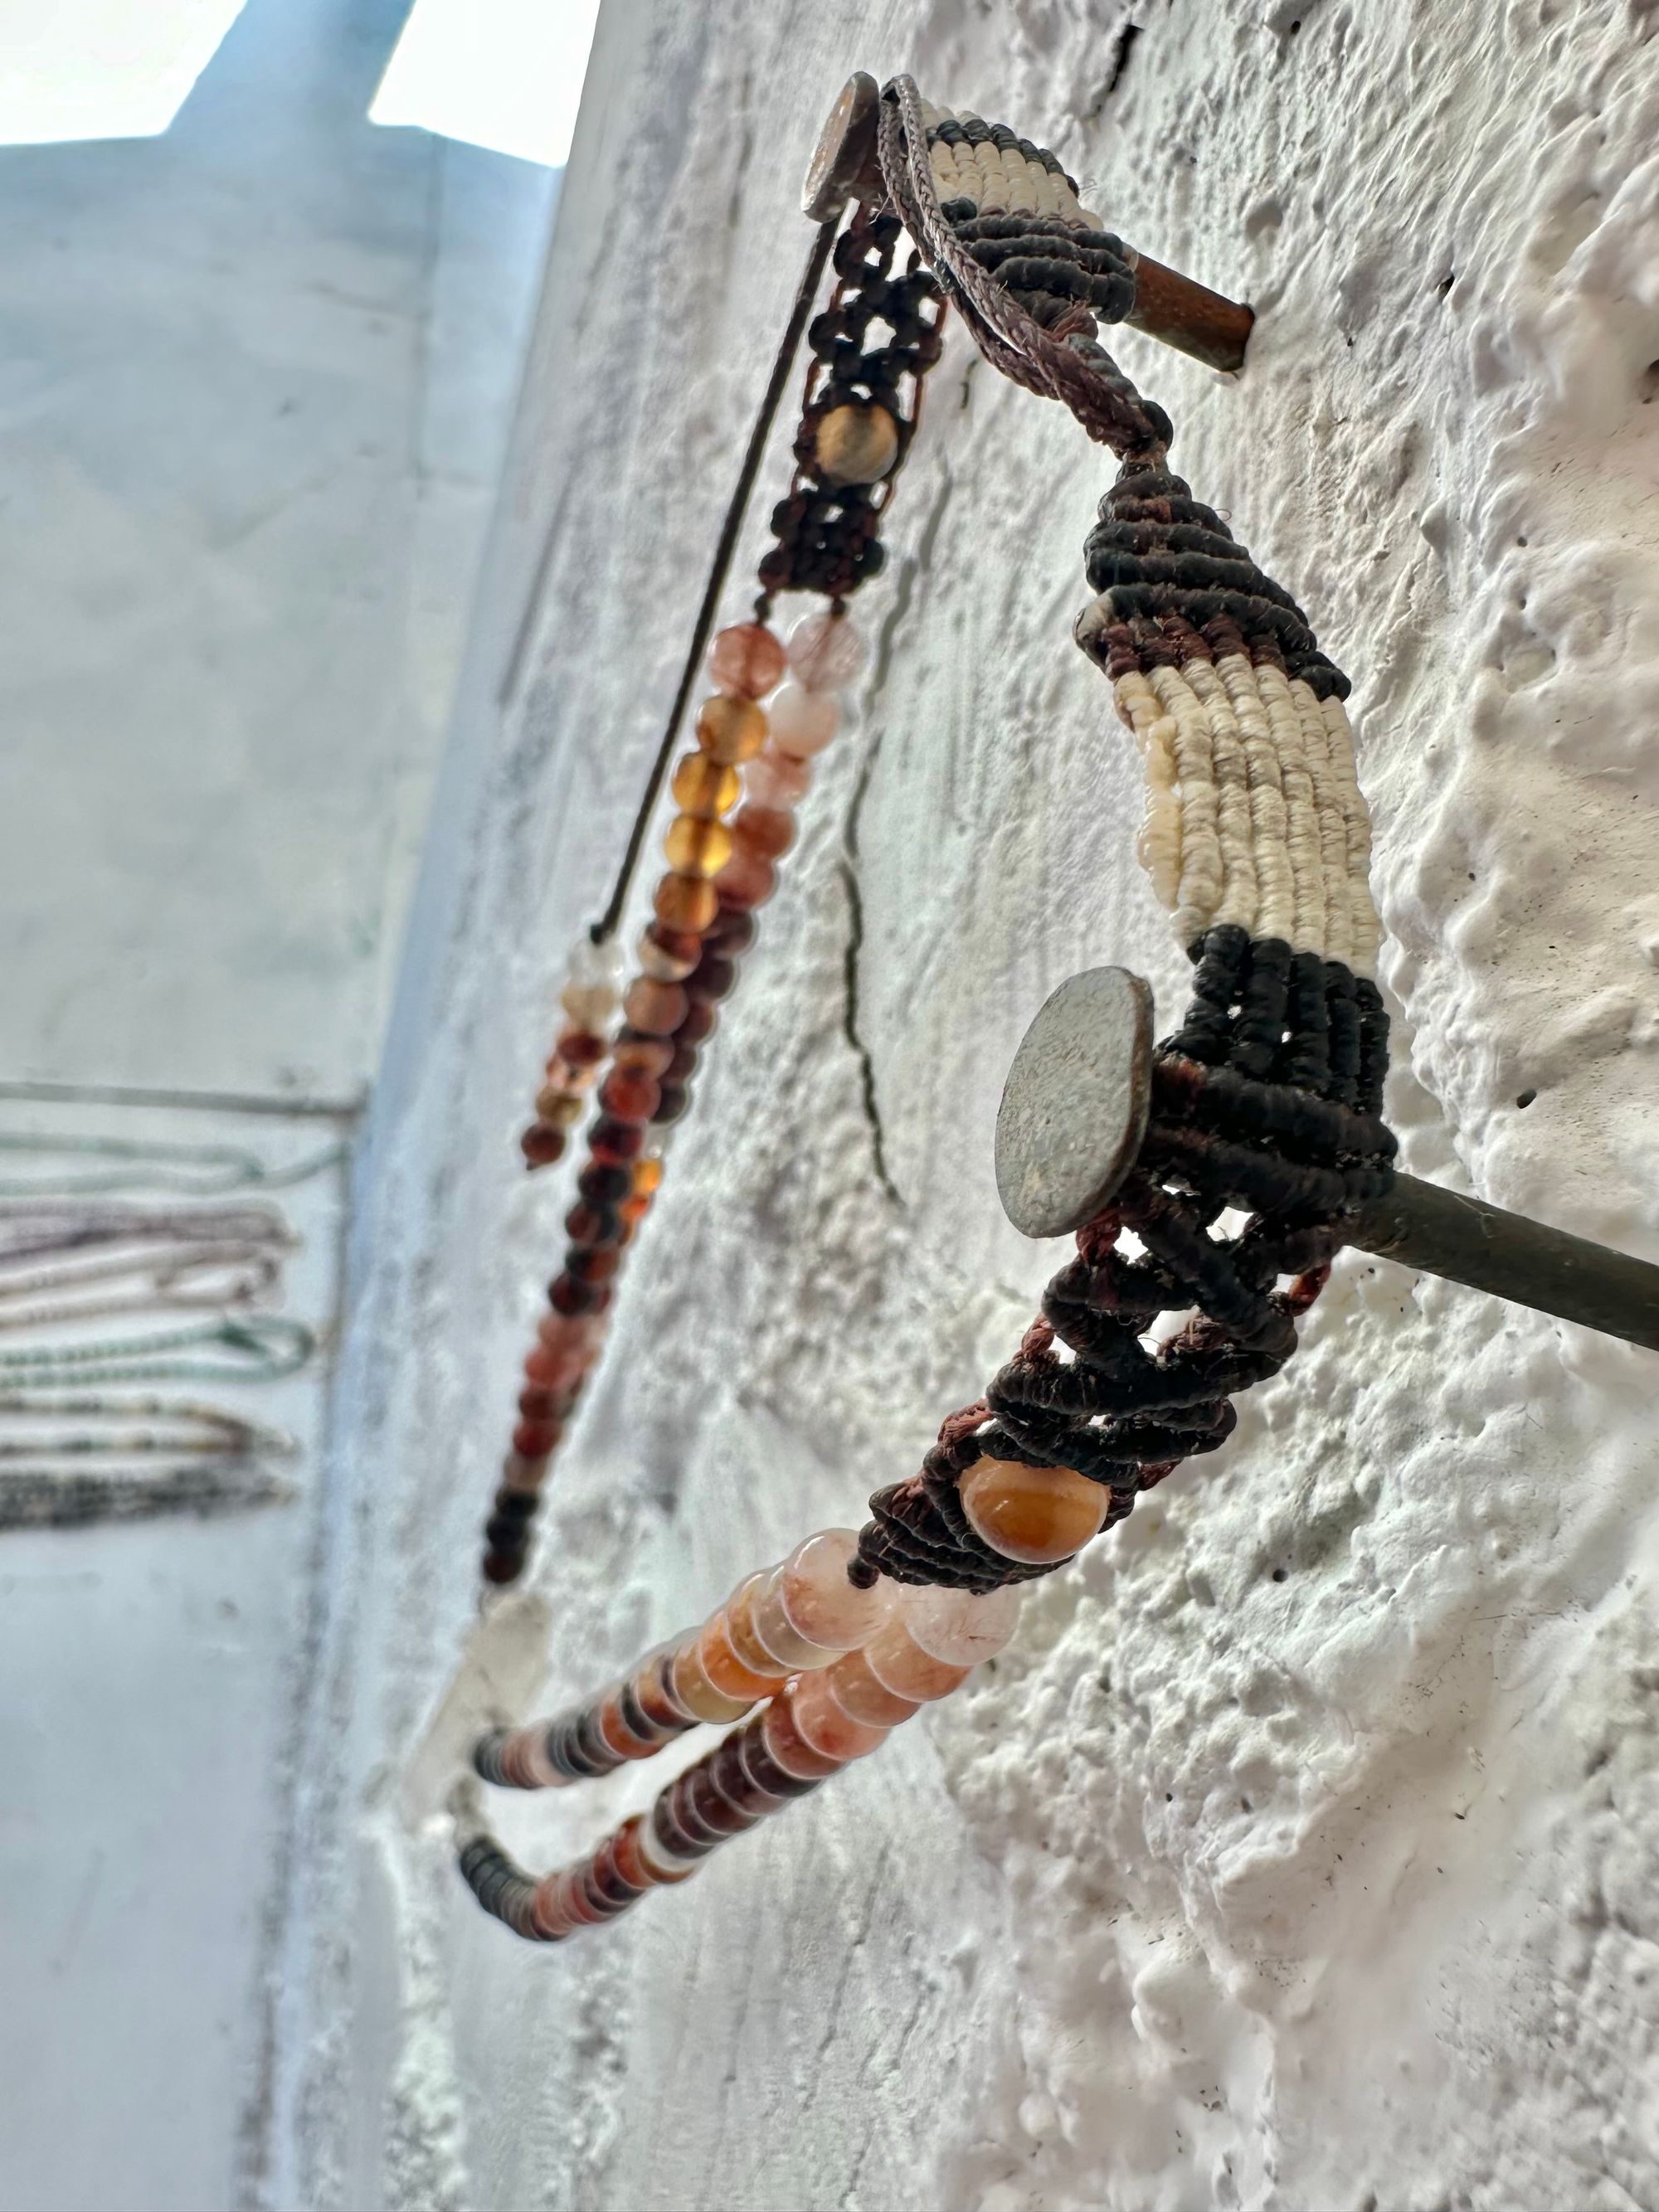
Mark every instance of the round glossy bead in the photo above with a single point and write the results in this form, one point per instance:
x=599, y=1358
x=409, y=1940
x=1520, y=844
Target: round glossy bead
x=669, y=955
x=1035, y=1515
x=542, y=1143
x=765, y=829
x=958, y=1626
x=697, y=1694
x=591, y=963
x=791, y=1749
x=699, y=1021
x=746, y=661
x=856, y=443
x=649, y=1054
x=747, y=880
x=731, y=730
x=672, y=1103
x=590, y=1005
x=777, y=779
x=825, y=652
x=630, y=1094
x=731, y=931
x=802, y=723
x=705, y=787
x=740, y=1632
x=686, y=902
x=823, y=1727
x=862, y=1697
x=656, y=1009
x=774, y=1634
x=899, y=1663
x=558, y=1110
x=726, y=1671
x=818, y=1601
x=696, y=847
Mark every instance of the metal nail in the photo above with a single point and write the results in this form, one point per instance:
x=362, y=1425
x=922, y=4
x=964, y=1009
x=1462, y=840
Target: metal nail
x=1073, y=1117
x=1167, y=305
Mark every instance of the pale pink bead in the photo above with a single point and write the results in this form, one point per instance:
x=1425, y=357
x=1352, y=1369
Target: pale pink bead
x=899, y=1663
x=771, y=1625
x=825, y=652
x=696, y=1693
x=819, y=1602
x=958, y=1628
x=746, y=661
x=549, y=1910
x=862, y=1697
x=777, y=779
x=802, y=723
x=824, y=1727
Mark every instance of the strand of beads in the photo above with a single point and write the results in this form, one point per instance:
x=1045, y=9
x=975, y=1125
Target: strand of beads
x=589, y=1002
x=915, y=1647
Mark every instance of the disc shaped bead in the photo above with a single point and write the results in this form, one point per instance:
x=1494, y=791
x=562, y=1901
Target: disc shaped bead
x=862, y=1697
x=772, y=1629
x=697, y=1694
x=731, y=730
x=791, y=1749
x=818, y=1601
x=1035, y=1515
x=825, y=652
x=958, y=1626
x=823, y=1727
x=746, y=660
x=726, y=1671
x=803, y=721
x=696, y=847
x=899, y=1663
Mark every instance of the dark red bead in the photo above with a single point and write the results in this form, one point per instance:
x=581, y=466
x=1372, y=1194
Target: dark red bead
x=589, y=1226
x=567, y=1296
x=711, y=979
x=732, y=932
x=502, y=1567
x=538, y=1405
x=682, y=1065
x=701, y=1019
x=615, y=1143
x=629, y=1094
x=597, y=1266
x=605, y=1186
x=579, y=1048
x=673, y=1102
x=541, y=1145
x=535, y=1439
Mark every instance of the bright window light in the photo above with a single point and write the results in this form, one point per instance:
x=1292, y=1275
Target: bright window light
x=102, y=69
x=505, y=74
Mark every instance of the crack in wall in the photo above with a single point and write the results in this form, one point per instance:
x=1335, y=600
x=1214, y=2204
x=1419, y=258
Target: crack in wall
x=904, y=592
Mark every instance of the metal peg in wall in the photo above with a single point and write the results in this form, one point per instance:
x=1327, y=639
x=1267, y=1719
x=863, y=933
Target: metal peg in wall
x=1167, y=305
x=1075, y=1112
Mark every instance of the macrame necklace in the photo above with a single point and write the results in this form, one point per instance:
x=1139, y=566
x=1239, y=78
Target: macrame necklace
x=1265, y=1102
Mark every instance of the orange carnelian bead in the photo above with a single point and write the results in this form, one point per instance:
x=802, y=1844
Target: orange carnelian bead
x=657, y=1009
x=747, y=659
x=686, y=902
x=705, y=787
x=647, y=1174
x=899, y=1664
x=697, y=1694
x=629, y=1094
x=822, y=1724
x=730, y=730
x=721, y=1664
x=1035, y=1515
x=696, y=847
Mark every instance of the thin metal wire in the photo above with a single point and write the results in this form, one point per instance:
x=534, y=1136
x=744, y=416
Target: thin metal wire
x=805, y=293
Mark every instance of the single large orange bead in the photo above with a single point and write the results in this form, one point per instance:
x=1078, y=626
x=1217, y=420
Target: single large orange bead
x=1035, y=1515
x=687, y=902
x=731, y=730
x=705, y=787
x=696, y=847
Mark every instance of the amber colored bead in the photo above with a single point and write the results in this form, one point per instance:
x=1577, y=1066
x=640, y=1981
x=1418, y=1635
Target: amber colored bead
x=748, y=879
x=568, y=1296
x=670, y=955
x=672, y=1104
x=698, y=1024
x=855, y=444
x=615, y=1143
x=687, y=902
x=647, y=1175
x=580, y=1048
x=1035, y=1515
x=541, y=1145
x=587, y=1226
x=705, y=787
x=747, y=659
x=732, y=932
x=648, y=1054
x=696, y=847
x=629, y=1094
x=597, y=1265
x=765, y=829
x=726, y=1670
x=533, y=1438
x=654, y=1009
x=634, y=1211
x=731, y=730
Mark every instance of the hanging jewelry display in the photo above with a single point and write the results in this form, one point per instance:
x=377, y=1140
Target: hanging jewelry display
x=1263, y=1109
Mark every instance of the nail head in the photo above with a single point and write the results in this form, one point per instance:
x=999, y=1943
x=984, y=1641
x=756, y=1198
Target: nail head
x=845, y=150
x=1074, y=1110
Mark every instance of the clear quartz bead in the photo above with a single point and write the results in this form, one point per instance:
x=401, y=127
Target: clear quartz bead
x=802, y=723
x=957, y=1627
x=594, y=967
x=825, y=652
x=818, y=1601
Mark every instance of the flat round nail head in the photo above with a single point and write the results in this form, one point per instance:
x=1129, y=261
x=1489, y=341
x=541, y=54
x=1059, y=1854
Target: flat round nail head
x=1073, y=1112
x=846, y=152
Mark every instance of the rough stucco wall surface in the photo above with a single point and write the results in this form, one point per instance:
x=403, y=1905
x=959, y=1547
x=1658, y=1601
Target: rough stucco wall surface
x=1304, y=1849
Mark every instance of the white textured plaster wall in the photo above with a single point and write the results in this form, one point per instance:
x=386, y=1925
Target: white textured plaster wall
x=1303, y=1852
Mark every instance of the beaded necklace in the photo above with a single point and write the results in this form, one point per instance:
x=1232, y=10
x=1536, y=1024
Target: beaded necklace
x=1265, y=1102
